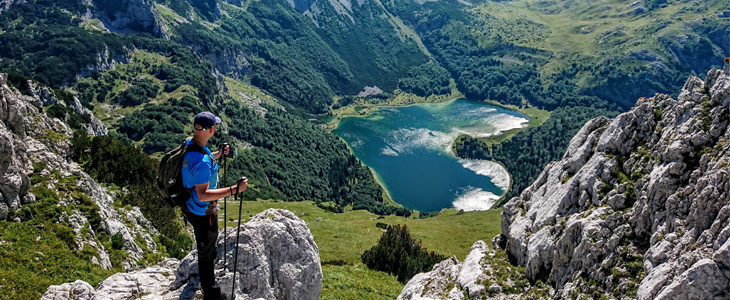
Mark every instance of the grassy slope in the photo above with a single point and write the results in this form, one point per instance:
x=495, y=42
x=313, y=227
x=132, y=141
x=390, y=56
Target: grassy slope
x=141, y=65
x=577, y=31
x=346, y=236
x=33, y=258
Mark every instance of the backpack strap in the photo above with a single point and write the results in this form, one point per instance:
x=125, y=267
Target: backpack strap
x=196, y=148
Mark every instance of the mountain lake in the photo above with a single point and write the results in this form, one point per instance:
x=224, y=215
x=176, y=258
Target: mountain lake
x=409, y=148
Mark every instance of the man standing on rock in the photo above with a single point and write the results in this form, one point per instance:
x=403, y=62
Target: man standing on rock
x=201, y=171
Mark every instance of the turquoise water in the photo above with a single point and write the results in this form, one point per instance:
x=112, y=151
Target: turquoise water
x=409, y=148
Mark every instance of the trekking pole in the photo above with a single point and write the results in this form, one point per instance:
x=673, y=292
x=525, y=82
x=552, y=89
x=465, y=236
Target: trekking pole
x=238, y=231
x=225, y=200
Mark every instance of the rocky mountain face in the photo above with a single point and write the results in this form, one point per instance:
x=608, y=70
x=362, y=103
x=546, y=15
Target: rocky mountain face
x=277, y=259
x=29, y=138
x=131, y=16
x=637, y=208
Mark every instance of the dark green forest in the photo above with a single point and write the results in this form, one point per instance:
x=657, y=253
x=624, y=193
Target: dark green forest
x=425, y=80
x=469, y=147
x=297, y=61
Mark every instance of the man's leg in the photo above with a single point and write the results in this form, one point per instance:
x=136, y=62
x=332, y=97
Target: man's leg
x=206, y=235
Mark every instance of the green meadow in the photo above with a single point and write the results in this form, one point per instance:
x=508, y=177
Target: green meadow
x=343, y=237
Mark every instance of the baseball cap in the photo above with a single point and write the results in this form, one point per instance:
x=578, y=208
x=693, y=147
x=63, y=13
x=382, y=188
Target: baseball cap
x=206, y=119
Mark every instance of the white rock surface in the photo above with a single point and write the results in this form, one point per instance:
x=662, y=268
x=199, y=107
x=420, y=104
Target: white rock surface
x=277, y=259
x=451, y=279
x=652, y=182
x=77, y=290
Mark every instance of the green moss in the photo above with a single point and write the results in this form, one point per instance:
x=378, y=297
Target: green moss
x=52, y=136
x=565, y=178
x=658, y=114
x=644, y=153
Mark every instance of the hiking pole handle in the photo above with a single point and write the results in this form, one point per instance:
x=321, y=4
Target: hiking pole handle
x=223, y=149
x=238, y=183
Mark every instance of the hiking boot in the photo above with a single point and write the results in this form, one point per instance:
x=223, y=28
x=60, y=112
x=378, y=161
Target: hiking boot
x=215, y=294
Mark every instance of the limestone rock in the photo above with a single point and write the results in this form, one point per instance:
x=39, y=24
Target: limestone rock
x=230, y=63
x=28, y=136
x=451, y=279
x=432, y=283
x=106, y=61
x=277, y=259
x=702, y=281
x=649, y=186
x=5, y=4
x=77, y=290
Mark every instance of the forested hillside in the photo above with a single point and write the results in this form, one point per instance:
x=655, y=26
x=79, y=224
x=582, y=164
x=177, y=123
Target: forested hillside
x=580, y=59
x=147, y=89
x=144, y=67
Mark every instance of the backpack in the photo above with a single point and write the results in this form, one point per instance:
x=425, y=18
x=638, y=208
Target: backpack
x=169, y=175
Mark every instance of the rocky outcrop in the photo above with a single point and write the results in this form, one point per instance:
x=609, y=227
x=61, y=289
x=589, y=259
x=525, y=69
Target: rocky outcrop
x=5, y=4
x=638, y=203
x=106, y=61
x=692, y=50
x=22, y=127
x=29, y=139
x=131, y=16
x=638, y=207
x=451, y=279
x=277, y=259
x=230, y=63
x=42, y=96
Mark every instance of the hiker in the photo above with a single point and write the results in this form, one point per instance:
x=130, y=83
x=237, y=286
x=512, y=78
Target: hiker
x=201, y=171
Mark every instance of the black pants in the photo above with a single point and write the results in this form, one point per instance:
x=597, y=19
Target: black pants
x=206, y=235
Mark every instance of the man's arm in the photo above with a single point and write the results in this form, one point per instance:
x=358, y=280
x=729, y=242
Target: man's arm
x=205, y=194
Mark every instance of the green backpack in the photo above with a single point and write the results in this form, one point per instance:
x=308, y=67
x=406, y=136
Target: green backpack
x=169, y=175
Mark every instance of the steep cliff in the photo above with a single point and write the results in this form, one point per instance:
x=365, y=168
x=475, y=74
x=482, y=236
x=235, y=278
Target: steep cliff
x=35, y=157
x=637, y=208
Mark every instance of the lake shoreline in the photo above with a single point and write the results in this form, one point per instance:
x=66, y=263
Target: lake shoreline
x=387, y=194
x=400, y=99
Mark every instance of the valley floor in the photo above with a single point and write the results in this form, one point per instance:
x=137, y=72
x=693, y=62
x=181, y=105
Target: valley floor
x=342, y=238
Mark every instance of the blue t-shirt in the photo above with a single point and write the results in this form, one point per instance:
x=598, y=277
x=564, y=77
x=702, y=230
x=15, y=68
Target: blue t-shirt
x=197, y=170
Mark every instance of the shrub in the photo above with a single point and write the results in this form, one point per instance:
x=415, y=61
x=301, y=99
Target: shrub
x=398, y=253
x=117, y=242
